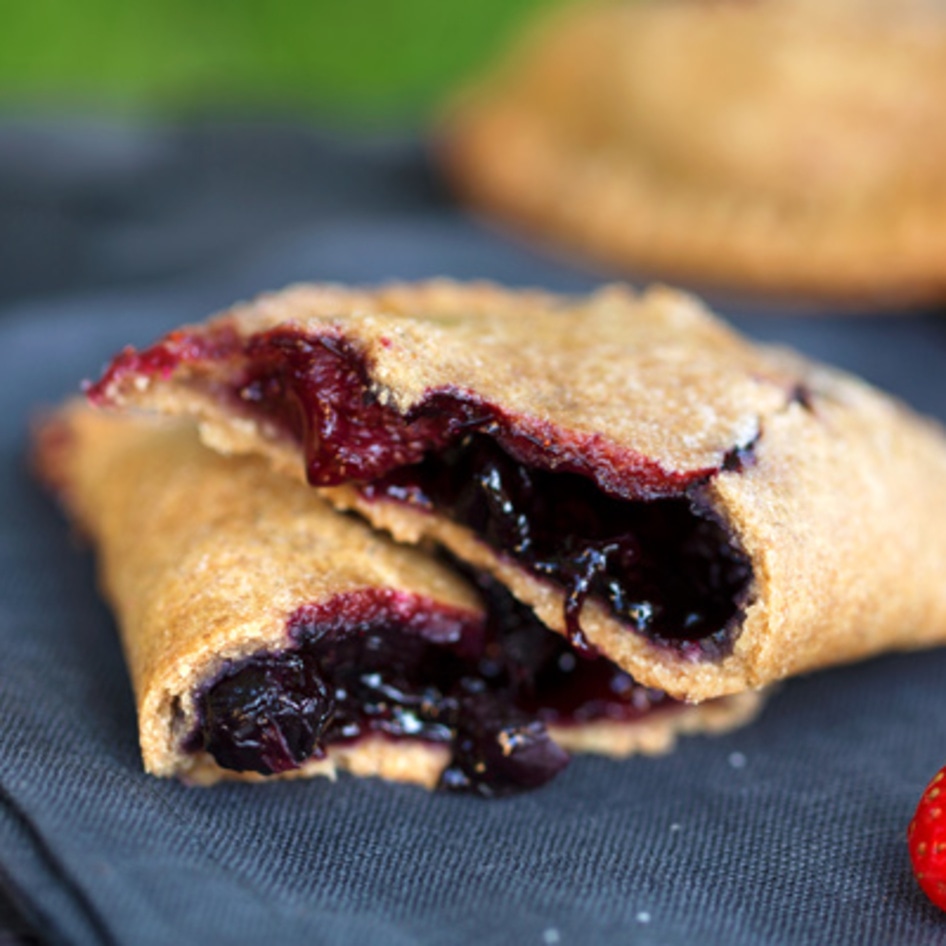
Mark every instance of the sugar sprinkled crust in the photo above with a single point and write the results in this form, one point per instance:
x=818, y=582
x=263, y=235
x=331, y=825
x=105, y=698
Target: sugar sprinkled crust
x=840, y=510
x=793, y=147
x=204, y=558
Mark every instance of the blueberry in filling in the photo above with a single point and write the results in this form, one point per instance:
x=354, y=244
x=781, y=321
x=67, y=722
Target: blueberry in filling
x=268, y=716
x=357, y=668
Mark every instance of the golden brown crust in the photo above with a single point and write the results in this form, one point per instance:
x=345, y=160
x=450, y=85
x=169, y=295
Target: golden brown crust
x=841, y=510
x=794, y=147
x=843, y=515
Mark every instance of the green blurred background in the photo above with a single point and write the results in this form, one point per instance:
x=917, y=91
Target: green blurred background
x=350, y=61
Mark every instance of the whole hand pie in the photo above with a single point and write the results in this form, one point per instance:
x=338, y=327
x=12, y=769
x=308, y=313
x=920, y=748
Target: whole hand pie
x=268, y=634
x=785, y=146
x=709, y=514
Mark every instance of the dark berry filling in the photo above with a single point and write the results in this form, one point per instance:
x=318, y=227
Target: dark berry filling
x=648, y=551
x=376, y=663
x=664, y=569
x=597, y=520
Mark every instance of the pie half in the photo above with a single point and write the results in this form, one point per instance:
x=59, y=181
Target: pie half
x=711, y=515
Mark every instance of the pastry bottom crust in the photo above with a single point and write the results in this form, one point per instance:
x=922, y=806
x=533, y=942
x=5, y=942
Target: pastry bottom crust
x=422, y=763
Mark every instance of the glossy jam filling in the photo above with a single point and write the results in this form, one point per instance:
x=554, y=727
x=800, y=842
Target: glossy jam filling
x=650, y=553
x=359, y=667
x=597, y=520
x=663, y=569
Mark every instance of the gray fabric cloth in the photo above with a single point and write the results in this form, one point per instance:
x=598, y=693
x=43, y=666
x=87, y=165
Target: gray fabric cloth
x=788, y=832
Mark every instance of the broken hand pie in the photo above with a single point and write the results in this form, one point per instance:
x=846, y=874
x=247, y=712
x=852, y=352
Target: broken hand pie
x=794, y=146
x=709, y=514
x=268, y=635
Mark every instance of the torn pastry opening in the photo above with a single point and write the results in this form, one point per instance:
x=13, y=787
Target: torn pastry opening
x=598, y=522
x=372, y=663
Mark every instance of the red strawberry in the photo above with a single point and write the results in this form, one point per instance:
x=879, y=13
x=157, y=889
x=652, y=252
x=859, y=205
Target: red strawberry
x=926, y=837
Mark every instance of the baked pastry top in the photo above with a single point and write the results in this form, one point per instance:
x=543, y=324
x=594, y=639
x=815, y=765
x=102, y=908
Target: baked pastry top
x=269, y=635
x=788, y=146
x=710, y=514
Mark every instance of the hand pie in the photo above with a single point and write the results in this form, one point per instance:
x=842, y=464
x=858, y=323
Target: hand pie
x=709, y=514
x=268, y=634
x=789, y=146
